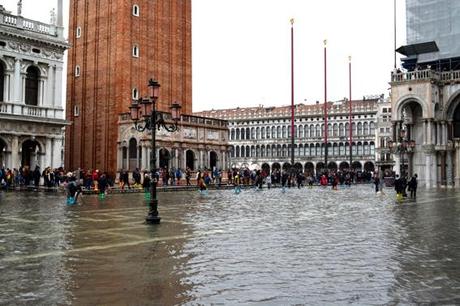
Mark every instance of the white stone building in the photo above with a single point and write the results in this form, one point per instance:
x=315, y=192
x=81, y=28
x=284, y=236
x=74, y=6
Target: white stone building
x=31, y=78
x=383, y=135
x=198, y=144
x=260, y=137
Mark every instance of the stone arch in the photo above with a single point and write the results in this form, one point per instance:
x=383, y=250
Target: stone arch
x=212, y=160
x=30, y=151
x=164, y=157
x=452, y=105
x=344, y=165
x=266, y=168
x=298, y=167
x=286, y=166
x=3, y=149
x=276, y=166
x=356, y=165
x=320, y=167
x=369, y=166
x=396, y=112
x=190, y=159
x=309, y=168
x=332, y=166
x=132, y=154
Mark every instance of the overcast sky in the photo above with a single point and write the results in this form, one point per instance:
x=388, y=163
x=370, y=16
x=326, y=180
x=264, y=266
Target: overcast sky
x=241, y=48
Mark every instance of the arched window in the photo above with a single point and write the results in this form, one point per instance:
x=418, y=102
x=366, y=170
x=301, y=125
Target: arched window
x=136, y=10
x=262, y=132
x=335, y=130
x=135, y=95
x=360, y=128
x=78, y=32
x=365, y=128
x=372, y=148
x=237, y=151
x=32, y=77
x=312, y=131
x=318, y=130
x=248, y=151
x=2, y=81
x=135, y=50
x=132, y=154
x=232, y=134
x=372, y=128
x=248, y=135
x=301, y=135
x=238, y=134
x=284, y=132
x=278, y=132
x=77, y=71
x=341, y=130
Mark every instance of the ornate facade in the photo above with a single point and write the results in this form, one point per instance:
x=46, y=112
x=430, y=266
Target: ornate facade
x=260, y=137
x=199, y=143
x=426, y=104
x=31, y=108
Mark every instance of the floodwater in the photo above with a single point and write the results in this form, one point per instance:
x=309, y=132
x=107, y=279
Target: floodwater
x=309, y=246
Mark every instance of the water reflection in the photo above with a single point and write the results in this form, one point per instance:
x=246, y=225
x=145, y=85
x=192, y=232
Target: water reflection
x=300, y=247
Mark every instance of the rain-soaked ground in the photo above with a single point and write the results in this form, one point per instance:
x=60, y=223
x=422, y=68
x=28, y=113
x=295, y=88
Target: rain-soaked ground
x=310, y=246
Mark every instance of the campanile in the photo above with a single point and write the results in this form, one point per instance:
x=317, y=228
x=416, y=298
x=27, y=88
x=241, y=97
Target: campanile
x=116, y=47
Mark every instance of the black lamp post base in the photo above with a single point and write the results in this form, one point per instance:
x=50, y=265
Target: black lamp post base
x=151, y=219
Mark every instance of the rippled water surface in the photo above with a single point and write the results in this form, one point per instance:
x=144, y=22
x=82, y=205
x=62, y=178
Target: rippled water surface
x=308, y=246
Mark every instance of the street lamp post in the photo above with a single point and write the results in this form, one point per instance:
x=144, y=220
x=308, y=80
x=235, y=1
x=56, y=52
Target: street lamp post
x=153, y=120
x=402, y=147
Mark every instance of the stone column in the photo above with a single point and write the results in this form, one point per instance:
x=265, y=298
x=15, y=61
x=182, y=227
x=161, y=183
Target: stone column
x=57, y=155
x=444, y=133
x=49, y=99
x=48, y=153
x=58, y=89
x=457, y=163
x=17, y=82
x=425, y=132
x=7, y=90
x=144, y=164
x=428, y=170
x=15, y=158
x=119, y=157
x=429, y=133
x=449, y=168
x=23, y=89
x=443, y=179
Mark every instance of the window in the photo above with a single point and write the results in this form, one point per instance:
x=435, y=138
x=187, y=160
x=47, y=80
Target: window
x=76, y=111
x=78, y=32
x=135, y=94
x=77, y=71
x=135, y=51
x=32, y=79
x=136, y=10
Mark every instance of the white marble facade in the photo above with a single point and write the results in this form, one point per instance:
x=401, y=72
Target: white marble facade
x=31, y=79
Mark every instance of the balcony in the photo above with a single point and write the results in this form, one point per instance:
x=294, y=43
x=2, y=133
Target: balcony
x=14, y=109
x=426, y=75
x=20, y=22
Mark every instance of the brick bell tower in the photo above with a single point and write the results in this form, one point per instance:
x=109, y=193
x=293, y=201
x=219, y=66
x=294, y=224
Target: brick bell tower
x=116, y=47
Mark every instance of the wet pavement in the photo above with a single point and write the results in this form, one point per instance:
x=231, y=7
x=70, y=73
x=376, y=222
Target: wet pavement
x=310, y=246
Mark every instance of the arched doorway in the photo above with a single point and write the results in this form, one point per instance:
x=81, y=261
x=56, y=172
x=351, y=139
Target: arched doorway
x=309, y=168
x=344, y=165
x=320, y=167
x=369, y=167
x=190, y=160
x=286, y=166
x=212, y=160
x=3, y=148
x=332, y=166
x=30, y=154
x=356, y=166
x=32, y=79
x=298, y=167
x=132, y=153
x=276, y=166
x=266, y=168
x=164, y=158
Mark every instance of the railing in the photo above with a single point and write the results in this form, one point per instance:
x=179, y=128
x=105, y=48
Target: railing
x=31, y=111
x=425, y=75
x=27, y=24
